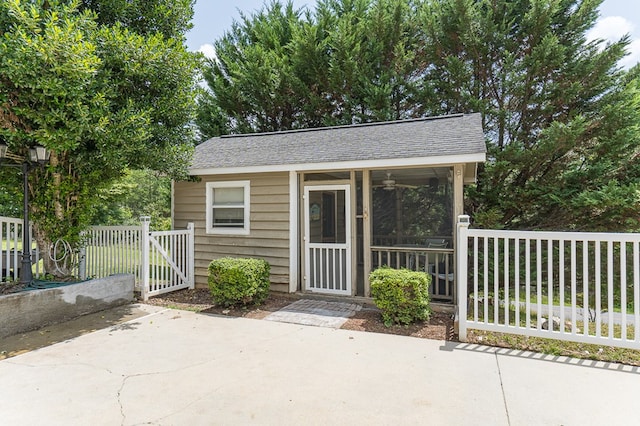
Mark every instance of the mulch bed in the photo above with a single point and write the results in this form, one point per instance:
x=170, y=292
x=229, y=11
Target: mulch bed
x=439, y=326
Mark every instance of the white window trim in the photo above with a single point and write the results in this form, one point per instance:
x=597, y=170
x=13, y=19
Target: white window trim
x=246, y=185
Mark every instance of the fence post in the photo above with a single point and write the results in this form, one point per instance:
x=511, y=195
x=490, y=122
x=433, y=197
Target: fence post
x=82, y=263
x=461, y=273
x=191, y=255
x=144, y=254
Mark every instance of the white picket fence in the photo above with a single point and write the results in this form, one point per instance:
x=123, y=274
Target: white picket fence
x=162, y=261
x=111, y=250
x=11, y=250
x=582, y=287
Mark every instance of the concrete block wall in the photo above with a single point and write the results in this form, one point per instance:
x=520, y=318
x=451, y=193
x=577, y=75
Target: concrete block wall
x=29, y=310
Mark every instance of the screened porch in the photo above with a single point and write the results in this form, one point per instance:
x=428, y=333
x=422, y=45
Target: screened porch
x=412, y=224
x=401, y=217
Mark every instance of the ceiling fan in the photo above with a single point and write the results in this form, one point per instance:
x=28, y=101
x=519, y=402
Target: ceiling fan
x=389, y=184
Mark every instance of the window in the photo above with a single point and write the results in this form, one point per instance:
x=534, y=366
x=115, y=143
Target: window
x=228, y=207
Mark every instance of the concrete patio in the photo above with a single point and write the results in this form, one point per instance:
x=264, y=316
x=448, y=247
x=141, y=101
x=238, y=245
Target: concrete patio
x=170, y=367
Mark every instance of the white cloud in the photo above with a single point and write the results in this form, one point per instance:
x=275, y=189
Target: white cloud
x=612, y=29
x=634, y=54
x=208, y=50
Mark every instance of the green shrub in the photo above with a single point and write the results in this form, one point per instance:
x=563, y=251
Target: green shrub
x=401, y=294
x=235, y=281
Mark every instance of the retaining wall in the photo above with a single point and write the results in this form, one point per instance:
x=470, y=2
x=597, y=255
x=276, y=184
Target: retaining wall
x=29, y=310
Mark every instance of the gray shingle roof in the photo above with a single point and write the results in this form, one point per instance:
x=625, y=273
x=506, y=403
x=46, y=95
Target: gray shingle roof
x=438, y=136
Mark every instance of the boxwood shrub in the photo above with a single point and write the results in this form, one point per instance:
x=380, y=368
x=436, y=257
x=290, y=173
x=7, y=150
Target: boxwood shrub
x=402, y=295
x=239, y=281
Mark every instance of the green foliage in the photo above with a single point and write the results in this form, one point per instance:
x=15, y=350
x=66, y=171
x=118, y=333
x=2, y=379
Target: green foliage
x=106, y=90
x=401, y=294
x=559, y=116
x=555, y=108
x=137, y=193
x=10, y=193
x=278, y=69
x=166, y=17
x=234, y=281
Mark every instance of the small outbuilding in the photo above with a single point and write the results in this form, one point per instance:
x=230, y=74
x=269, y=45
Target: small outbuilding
x=326, y=206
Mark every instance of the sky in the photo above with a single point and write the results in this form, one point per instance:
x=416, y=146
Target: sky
x=213, y=17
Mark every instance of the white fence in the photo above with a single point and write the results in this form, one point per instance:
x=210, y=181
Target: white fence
x=111, y=250
x=167, y=260
x=11, y=231
x=162, y=261
x=582, y=287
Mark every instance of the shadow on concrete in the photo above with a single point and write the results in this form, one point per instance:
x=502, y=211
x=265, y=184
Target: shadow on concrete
x=518, y=353
x=117, y=318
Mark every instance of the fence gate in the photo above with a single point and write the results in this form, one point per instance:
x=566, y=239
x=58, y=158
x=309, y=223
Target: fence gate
x=167, y=260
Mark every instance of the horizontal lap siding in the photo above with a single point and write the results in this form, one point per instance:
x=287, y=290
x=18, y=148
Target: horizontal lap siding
x=269, y=222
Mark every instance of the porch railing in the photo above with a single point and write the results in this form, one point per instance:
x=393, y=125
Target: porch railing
x=437, y=262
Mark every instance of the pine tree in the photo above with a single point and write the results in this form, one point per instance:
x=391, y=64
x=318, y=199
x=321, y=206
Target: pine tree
x=559, y=116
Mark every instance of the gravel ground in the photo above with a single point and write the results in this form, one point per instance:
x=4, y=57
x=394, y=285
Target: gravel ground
x=439, y=326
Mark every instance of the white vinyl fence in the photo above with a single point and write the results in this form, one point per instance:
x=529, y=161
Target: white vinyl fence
x=167, y=260
x=11, y=250
x=162, y=261
x=111, y=250
x=582, y=287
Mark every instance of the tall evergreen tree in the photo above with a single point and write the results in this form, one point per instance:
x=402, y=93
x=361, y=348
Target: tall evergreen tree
x=545, y=94
x=351, y=61
x=251, y=78
x=560, y=117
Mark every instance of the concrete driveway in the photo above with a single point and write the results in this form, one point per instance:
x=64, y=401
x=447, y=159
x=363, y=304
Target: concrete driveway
x=172, y=367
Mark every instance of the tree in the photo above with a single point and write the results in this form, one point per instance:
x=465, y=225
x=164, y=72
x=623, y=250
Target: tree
x=353, y=61
x=373, y=59
x=99, y=95
x=549, y=102
x=137, y=193
x=559, y=116
x=251, y=78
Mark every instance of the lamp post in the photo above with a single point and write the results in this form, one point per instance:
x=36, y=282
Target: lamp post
x=38, y=156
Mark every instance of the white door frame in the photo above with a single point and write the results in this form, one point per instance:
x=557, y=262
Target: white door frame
x=333, y=257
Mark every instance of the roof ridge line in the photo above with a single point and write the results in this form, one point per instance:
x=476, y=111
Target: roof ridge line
x=344, y=126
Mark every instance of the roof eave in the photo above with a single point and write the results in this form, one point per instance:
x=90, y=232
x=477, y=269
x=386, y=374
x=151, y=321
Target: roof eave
x=440, y=160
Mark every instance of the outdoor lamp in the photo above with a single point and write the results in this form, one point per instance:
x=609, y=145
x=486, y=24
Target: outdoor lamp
x=37, y=156
x=42, y=154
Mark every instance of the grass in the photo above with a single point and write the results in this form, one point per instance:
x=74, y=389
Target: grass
x=544, y=298
x=554, y=346
x=557, y=347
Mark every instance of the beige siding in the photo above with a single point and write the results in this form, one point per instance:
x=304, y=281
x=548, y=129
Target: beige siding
x=269, y=223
